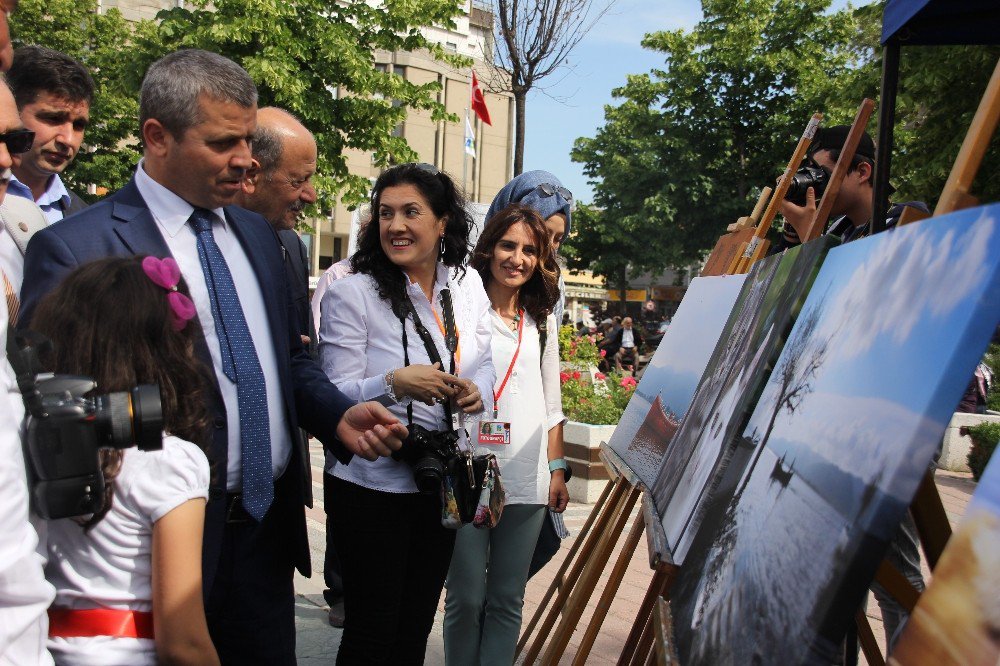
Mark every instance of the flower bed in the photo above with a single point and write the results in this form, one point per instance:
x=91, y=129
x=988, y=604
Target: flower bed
x=590, y=396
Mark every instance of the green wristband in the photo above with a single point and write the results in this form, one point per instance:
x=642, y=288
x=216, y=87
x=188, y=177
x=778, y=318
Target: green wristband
x=558, y=463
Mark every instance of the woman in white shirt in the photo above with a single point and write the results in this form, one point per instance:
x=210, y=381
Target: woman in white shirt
x=128, y=577
x=489, y=569
x=393, y=549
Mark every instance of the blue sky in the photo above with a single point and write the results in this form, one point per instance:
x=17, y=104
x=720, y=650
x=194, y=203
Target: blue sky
x=570, y=103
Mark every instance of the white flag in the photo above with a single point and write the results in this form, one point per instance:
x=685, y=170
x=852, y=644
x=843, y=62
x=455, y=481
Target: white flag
x=470, y=138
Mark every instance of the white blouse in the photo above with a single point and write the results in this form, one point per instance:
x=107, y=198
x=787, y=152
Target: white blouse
x=531, y=402
x=360, y=339
x=111, y=566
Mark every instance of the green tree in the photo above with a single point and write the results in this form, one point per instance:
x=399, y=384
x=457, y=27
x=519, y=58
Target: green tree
x=690, y=145
x=312, y=57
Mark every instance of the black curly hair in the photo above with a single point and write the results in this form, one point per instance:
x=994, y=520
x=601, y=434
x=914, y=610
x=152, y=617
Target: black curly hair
x=444, y=198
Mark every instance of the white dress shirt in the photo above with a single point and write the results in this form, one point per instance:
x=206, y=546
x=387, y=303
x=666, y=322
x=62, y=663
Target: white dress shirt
x=360, y=339
x=171, y=214
x=25, y=595
x=628, y=338
x=531, y=402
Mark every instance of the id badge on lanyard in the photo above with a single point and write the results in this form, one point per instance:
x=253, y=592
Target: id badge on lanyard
x=497, y=433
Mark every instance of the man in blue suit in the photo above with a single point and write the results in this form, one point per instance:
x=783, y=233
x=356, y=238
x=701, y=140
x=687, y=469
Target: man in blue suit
x=197, y=115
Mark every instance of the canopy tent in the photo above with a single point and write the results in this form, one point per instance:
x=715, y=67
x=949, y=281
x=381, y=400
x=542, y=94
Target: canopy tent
x=922, y=23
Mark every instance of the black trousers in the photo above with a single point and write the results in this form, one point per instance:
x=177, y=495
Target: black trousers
x=332, y=574
x=251, y=606
x=395, y=557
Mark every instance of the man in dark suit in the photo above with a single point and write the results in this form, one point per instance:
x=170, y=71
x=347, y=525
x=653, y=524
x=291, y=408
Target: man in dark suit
x=197, y=116
x=53, y=93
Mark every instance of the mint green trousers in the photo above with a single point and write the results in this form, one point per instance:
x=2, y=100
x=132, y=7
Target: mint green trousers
x=486, y=581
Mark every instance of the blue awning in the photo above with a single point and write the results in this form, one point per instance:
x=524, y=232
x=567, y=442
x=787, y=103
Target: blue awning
x=927, y=22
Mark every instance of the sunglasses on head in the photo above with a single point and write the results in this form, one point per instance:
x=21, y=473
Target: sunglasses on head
x=421, y=166
x=18, y=141
x=548, y=190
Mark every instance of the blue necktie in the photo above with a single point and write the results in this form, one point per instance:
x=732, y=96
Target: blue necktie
x=240, y=364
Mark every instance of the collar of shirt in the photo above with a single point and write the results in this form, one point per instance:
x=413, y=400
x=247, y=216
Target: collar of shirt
x=169, y=210
x=55, y=195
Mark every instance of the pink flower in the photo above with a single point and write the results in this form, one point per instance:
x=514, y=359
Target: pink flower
x=576, y=374
x=600, y=376
x=563, y=377
x=604, y=352
x=628, y=382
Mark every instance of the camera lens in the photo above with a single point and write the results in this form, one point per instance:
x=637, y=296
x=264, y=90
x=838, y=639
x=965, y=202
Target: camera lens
x=806, y=177
x=147, y=417
x=124, y=419
x=428, y=472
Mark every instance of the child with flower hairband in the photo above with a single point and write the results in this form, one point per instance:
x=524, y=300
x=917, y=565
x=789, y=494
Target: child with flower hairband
x=128, y=578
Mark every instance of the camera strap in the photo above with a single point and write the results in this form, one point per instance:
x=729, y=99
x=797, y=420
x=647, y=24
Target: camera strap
x=450, y=339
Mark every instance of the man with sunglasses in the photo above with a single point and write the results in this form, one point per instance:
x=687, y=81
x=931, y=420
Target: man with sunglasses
x=53, y=94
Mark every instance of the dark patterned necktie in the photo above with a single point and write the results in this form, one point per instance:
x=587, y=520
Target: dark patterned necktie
x=241, y=365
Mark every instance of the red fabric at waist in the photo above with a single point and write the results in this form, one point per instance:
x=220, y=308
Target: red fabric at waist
x=89, y=622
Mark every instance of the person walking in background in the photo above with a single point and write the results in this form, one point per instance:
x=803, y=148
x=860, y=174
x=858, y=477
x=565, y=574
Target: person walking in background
x=137, y=561
x=489, y=569
x=410, y=329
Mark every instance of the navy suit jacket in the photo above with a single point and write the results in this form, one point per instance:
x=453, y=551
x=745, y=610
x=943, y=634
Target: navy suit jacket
x=122, y=225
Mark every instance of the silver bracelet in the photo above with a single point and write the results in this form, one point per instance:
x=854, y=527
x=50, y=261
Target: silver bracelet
x=388, y=378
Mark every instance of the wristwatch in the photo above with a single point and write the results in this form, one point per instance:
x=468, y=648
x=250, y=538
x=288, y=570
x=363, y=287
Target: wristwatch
x=560, y=463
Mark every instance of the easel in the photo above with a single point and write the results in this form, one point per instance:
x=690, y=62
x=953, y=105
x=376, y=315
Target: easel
x=739, y=233
x=757, y=246
x=929, y=515
x=578, y=576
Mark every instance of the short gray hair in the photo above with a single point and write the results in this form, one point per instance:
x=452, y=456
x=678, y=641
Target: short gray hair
x=174, y=83
x=267, y=149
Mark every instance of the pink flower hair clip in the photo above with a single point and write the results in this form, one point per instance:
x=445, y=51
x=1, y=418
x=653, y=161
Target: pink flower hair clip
x=167, y=274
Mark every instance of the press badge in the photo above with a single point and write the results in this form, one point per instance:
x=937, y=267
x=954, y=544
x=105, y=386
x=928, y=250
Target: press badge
x=494, y=433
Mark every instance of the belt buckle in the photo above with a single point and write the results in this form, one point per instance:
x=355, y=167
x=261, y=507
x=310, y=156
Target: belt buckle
x=235, y=513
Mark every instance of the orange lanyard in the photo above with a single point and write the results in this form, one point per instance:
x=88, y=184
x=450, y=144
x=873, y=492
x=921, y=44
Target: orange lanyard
x=510, y=368
x=458, y=340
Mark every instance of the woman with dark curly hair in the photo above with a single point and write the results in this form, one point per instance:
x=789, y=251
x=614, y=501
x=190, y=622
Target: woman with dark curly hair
x=128, y=579
x=489, y=569
x=410, y=329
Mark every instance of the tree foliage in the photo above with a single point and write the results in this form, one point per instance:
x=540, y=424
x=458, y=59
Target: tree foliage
x=690, y=145
x=312, y=57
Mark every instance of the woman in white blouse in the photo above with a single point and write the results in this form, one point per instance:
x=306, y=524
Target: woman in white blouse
x=394, y=551
x=489, y=569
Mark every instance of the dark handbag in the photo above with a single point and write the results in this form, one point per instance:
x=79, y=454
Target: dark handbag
x=479, y=493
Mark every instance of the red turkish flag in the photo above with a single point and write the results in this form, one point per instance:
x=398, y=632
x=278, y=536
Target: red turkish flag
x=479, y=102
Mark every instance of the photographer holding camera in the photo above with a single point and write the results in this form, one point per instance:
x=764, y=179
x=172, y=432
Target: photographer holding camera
x=851, y=214
x=410, y=329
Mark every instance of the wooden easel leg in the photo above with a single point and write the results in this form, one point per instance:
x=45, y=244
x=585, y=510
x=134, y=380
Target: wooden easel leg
x=654, y=590
x=614, y=582
x=897, y=585
x=931, y=519
x=559, y=582
x=588, y=581
x=645, y=646
x=869, y=646
x=600, y=526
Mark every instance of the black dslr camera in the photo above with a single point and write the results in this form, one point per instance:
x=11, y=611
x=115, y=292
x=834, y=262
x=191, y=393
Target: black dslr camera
x=429, y=453
x=809, y=175
x=68, y=423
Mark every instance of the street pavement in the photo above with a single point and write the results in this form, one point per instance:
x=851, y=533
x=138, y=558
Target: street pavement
x=317, y=641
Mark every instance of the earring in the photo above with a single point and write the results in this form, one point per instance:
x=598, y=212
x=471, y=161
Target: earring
x=441, y=251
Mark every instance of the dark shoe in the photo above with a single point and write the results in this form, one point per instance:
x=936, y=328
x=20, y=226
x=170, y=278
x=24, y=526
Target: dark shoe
x=337, y=615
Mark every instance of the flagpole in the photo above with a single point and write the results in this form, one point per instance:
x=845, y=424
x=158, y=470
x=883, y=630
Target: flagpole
x=465, y=154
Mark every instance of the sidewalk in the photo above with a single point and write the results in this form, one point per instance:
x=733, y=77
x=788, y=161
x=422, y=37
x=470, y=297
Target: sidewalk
x=317, y=641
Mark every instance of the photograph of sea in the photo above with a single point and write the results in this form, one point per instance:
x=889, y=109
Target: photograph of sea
x=842, y=435
x=706, y=446
x=957, y=620
x=669, y=380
